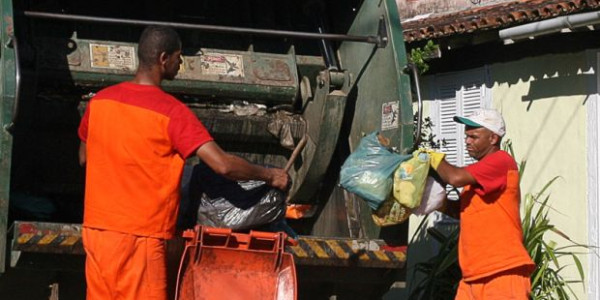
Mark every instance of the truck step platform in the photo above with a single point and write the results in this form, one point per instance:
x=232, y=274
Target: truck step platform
x=65, y=238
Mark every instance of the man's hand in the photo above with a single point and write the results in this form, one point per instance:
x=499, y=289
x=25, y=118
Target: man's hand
x=237, y=168
x=279, y=179
x=435, y=158
x=82, y=153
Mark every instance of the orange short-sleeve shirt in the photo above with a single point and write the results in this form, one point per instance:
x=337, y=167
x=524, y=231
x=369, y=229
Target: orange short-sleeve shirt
x=137, y=138
x=491, y=237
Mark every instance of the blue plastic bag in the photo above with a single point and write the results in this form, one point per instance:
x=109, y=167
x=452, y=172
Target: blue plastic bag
x=367, y=172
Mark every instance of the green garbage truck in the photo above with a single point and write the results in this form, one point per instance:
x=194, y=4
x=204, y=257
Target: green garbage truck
x=295, y=83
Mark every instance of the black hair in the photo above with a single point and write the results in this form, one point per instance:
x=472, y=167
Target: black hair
x=154, y=41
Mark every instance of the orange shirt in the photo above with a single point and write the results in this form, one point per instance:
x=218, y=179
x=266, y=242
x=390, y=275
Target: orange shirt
x=491, y=237
x=137, y=138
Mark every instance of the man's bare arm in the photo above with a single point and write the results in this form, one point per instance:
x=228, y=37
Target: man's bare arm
x=237, y=168
x=455, y=176
x=82, y=154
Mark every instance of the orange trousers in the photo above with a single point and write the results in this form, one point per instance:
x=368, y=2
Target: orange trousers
x=122, y=266
x=512, y=284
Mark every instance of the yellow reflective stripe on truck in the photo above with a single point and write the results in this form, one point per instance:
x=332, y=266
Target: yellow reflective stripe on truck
x=344, y=252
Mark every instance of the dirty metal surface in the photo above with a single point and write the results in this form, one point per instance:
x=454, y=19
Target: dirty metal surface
x=7, y=100
x=380, y=96
x=264, y=77
x=228, y=126
x=66, y=239
x=345, y=253
x=324, y=114
x=47, y=238
x=382, y=92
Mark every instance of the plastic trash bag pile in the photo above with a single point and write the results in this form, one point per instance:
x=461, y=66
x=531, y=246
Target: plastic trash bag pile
x=393, y=185
x=367, y=172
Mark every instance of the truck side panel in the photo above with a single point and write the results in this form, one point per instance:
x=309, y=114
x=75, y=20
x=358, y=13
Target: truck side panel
x=380, y=94
x=7, y=94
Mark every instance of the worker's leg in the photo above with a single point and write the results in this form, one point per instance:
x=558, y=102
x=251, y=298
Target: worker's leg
x=465, y=291
x=123, y=266
x=513, y=284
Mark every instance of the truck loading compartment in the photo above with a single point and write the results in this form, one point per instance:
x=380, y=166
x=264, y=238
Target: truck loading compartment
x=330, y=91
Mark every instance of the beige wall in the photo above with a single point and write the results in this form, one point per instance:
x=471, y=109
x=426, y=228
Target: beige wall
x=543, y=101
x=410, y=8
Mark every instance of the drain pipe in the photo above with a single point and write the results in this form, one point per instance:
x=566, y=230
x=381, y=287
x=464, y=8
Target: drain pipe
x=550, y=26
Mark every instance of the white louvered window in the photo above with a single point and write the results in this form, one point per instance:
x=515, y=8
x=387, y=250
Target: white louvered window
x=457, y=94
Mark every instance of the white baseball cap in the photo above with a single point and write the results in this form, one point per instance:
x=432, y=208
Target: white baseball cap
x=487, y=118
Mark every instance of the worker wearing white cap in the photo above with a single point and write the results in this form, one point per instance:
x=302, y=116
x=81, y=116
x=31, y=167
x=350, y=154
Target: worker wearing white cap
x=493, y=260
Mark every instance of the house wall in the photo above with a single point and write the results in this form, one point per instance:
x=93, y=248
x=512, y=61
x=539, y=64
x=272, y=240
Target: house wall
x=410, y=8
x=543, y=100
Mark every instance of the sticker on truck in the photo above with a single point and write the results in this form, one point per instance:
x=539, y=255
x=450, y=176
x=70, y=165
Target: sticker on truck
x=389, y=115
x=118, y=57
x=222, y=64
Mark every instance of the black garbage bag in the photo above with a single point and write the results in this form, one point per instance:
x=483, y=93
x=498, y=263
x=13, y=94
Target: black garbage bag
x=240, y=205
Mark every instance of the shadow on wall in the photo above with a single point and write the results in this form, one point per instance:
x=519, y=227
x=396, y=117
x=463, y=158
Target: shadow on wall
x=557, y=86
x=548, y=76
x=556, y=89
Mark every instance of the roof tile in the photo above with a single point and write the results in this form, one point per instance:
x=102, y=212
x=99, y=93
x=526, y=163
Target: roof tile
x=495, y=16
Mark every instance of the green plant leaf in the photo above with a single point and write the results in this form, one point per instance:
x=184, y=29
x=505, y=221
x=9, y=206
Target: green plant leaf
x=548, y=184
x=551, y=255
x=579, y=267
x=437, y=235
x=422, y=224
x=448, y=261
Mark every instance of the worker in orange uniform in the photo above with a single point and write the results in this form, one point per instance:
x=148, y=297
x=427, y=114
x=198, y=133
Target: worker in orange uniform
x=135, y=139
x=493, y=260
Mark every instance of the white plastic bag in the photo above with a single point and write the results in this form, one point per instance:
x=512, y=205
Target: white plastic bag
x=433, y=197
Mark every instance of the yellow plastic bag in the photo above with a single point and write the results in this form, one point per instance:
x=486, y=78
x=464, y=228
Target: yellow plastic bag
x=410, y=178
x=390, y=213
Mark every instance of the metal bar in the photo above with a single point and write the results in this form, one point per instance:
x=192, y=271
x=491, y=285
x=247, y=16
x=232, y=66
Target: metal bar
x=210, y=28
x=9, y=127
x=296, y=152
x=6, y=140
x=331, y=61
x=550, y=26
x=415, y=73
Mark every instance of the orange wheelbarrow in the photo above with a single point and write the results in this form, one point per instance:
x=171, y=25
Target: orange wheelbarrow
x=220, y=264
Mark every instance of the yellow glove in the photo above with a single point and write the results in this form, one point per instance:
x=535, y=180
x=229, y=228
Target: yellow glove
x=435, y=158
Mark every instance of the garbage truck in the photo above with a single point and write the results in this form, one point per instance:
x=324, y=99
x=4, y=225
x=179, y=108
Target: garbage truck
x=295, y=83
